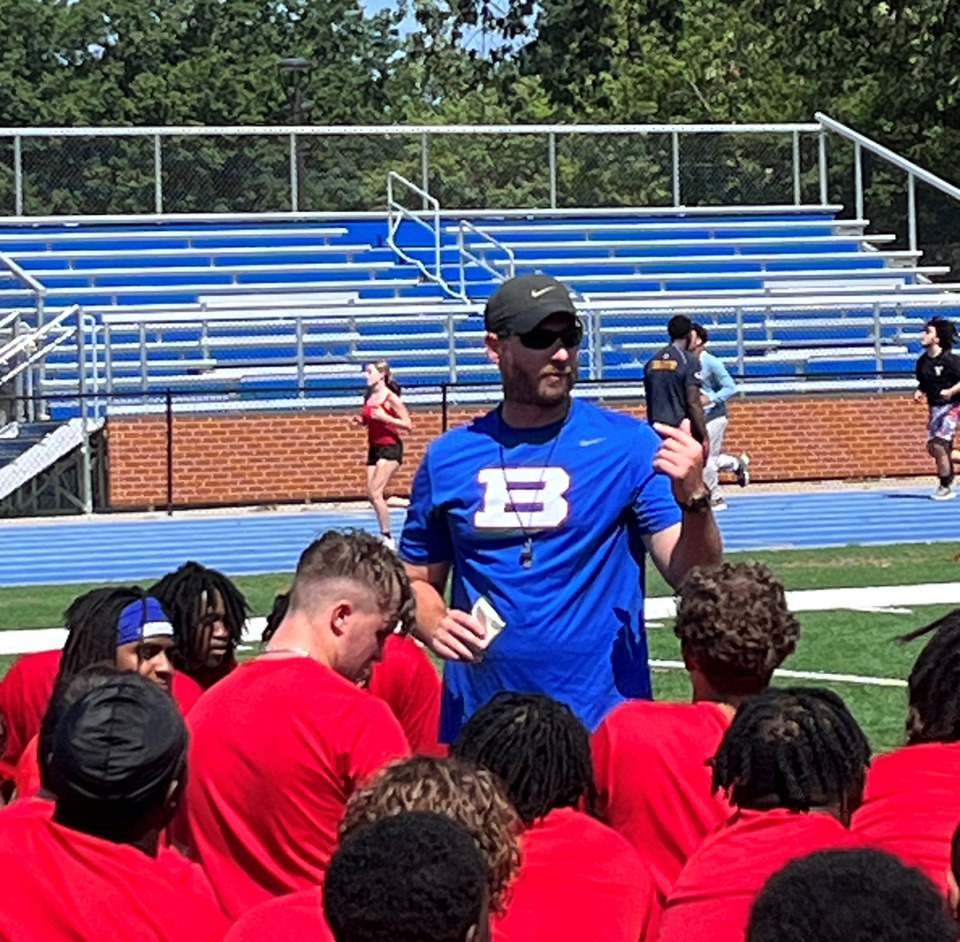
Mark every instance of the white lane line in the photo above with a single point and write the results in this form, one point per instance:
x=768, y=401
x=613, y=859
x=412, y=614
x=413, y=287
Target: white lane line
x=807, y=675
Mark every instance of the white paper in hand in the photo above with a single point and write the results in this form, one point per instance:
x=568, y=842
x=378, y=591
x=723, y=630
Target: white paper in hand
x=490, y=619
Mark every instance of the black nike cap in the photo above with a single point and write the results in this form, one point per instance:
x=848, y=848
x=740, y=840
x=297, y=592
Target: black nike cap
x=519, y=304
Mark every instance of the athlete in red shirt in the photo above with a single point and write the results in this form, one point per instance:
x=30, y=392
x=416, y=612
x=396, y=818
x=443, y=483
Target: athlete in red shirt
x=578, y=880
x=278, y=746
x=793, y=763
x=24, y=694
x=651, y=759
x=911, y=803
x=208, y=613
x=407, y=680
x=449, y=786
x=91, y=872
x=846, y=894
x=404, y=678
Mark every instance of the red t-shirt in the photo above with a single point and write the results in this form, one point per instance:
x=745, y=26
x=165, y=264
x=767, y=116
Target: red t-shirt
x=650, y=761
x=60, y=884
x=296, y=917
x=409, y=683
x=24, y=695
x=578, y=881
x=276, y=749
x=911, y=806
x=715, y=890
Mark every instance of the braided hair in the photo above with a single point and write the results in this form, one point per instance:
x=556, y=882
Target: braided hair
x=537, y=747
x=91, y=623
x=795, y=747
x=188, y=596
x=934, y=683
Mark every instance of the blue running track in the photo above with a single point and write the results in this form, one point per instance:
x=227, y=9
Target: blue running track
x=107, y=548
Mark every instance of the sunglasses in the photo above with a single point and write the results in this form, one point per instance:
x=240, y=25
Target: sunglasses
x=540, y=338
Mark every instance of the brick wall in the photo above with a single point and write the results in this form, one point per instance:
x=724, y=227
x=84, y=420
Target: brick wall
x=267, y=457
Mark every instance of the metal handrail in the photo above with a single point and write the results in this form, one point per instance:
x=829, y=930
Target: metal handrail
x=29, y=340
x=403, y=213
x=32, y=283
x=913, y=171
x=323, y=130
x=464, y=253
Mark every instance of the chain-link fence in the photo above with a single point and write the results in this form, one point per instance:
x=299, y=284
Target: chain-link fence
x=222, y=170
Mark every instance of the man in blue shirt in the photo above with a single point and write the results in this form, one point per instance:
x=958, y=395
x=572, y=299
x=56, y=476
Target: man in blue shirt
x=544, y=508
x=718, y=387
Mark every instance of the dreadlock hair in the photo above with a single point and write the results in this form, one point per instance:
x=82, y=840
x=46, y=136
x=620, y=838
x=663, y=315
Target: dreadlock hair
x=359, y=557
x=277, y=614
x=934, y=683
x=733, y=620
x=91, y=623
x=66, y=692
x=456, y=788
x=795, y=747
x=537, y=747
x=844, y=894
x=946, y=332
x=188, y=596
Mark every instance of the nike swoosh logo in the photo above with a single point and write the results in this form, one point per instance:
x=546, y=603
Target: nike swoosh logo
x=586, y=442
x=540, y=292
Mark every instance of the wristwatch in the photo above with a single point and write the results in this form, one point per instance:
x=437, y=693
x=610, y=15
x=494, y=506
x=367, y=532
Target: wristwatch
x=698, y=504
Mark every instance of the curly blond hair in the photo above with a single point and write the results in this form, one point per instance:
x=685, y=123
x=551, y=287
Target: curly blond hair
x=733, y=619
x=453, y=787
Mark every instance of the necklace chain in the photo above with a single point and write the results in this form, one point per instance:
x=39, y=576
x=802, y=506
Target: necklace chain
x=526, y=554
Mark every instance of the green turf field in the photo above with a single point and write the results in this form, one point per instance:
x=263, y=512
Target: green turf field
x=832, y=642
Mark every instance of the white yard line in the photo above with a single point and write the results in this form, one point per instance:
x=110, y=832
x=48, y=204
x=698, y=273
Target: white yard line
x=808, y=675
x=891, y=598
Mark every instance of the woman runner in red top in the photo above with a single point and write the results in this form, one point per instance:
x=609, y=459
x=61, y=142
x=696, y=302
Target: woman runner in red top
x=911, y=804
x=385, y=417
x=793, y=763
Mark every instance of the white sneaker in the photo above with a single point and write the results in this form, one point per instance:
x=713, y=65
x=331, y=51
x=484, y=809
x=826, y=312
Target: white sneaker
x=718, y=504
x=743, y=470
x=389, y=542
x=943, y=493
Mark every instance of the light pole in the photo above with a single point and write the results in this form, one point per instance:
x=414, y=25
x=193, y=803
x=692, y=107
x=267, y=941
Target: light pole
x=294, y=73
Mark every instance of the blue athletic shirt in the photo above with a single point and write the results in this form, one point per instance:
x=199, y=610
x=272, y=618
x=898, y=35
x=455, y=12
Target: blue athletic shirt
x=585, y=491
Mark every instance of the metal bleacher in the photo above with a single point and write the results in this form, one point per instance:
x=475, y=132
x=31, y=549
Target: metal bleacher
x=247, y=310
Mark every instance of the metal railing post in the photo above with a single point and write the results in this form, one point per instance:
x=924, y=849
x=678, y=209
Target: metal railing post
x=675, y=161
x=169, y=412
x=294, y=175
x=877, y=340
x=552, y=163
x=18, y=175
x=301, y=364
x=741, y=349
x=858, y=178
x=86, y=484
x=424, y=167
x=797, y=194
x=451, y=349
x=157, y=174
x=444, y=418
x=912, y=210
x=822, y=162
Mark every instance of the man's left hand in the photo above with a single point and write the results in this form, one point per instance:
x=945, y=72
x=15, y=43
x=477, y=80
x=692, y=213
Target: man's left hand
x=680, y=457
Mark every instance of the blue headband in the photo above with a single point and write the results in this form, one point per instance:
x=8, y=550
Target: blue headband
x=144, y=618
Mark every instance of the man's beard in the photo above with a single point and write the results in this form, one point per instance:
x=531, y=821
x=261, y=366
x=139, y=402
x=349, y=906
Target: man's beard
x=522, y=388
